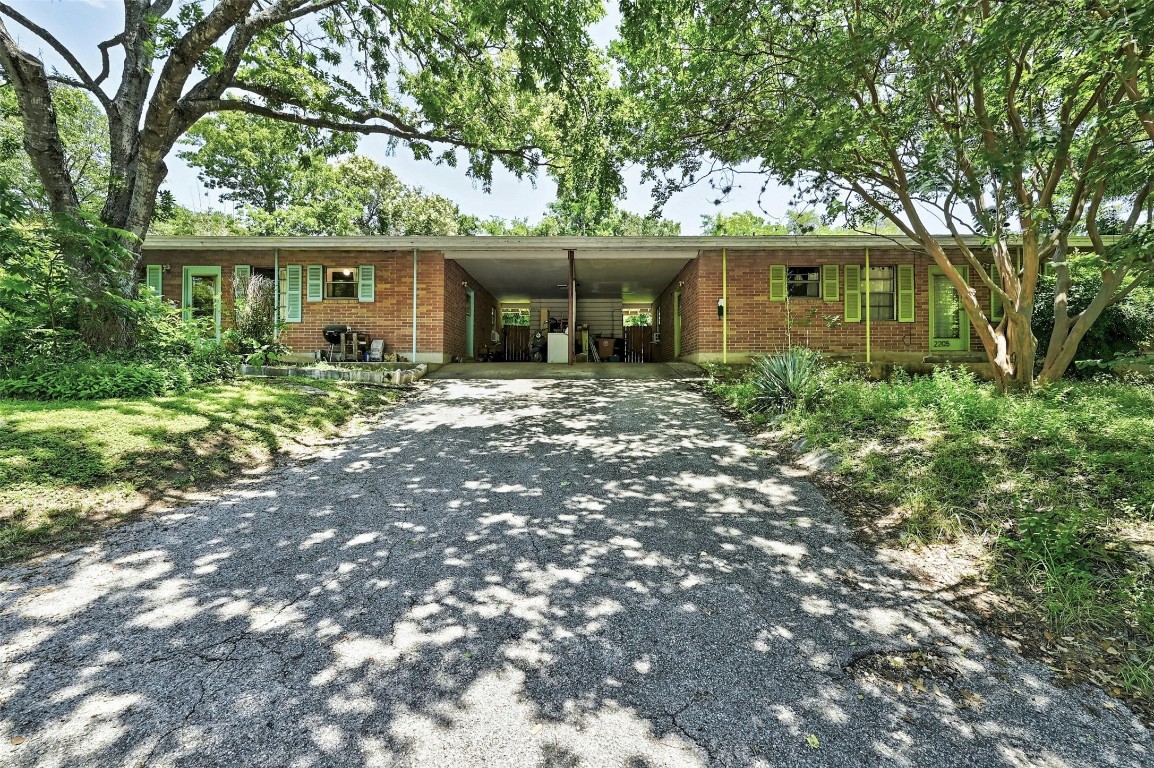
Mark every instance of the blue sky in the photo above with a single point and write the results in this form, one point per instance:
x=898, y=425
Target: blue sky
x=81, y=24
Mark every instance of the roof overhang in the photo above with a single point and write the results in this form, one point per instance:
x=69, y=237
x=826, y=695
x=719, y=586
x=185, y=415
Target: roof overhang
x=533, y=246
x=634, y=269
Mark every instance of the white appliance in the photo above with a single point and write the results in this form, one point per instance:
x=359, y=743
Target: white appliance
x=558, y=348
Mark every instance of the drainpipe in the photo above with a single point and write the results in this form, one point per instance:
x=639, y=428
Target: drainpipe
x=276, y=293
x=414, y=305
x=867, y=303
x=724, y=308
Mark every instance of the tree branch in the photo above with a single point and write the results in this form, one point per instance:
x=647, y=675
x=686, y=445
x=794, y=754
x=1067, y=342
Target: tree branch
x=85, y=80
x=526, y=152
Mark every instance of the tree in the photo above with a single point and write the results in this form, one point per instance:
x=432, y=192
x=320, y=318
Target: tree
x=500, y=82
x=742, y=224
x=1018, y=121
x=356, y=196
x=84, y=135
x=565, y=219
x=174, y=220
x=258, y=161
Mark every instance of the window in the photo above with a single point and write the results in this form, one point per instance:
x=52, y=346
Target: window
x=515, y=316
x=341, y=283
x=803, y=282
x=882, y=284
x=632, y=317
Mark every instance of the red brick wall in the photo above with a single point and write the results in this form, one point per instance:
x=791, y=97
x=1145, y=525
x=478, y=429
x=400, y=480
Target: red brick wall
x=755, y=324
x=389, y=317
x=690, y=316
x=456, y=306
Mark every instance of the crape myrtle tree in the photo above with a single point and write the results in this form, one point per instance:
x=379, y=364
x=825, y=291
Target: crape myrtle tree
x=490, y=81
x=1023, y=122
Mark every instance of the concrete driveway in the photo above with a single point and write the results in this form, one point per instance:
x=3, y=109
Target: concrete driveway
x=560, y=371
x=522, y=573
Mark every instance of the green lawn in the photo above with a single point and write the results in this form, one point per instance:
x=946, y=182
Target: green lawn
x=1054, y=490
x=70, y=468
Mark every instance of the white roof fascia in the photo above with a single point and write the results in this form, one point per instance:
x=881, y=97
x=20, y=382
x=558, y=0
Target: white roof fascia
x=625, y=247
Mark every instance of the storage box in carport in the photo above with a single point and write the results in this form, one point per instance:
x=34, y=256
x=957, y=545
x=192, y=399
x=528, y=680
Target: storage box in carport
x=605, y=348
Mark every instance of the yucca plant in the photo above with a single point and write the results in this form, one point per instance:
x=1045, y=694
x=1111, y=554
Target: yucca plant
x=786, y=380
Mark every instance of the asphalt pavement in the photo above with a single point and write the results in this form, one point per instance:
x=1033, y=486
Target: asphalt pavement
x=519, y=573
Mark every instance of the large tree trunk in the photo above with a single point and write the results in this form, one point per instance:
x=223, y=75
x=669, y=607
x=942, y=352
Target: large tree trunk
x=41, y=133
x=1068, y=332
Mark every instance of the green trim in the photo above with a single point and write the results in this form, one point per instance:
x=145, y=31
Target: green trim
x=292, y=295
x=905, y=286
x=830, y=288
x=240, y=274
x=852, y=293
x=367, y=283
x=960, y=343
x=777, y=282
x=316, y=283
x=186, y=293
x=996, y=309
x=154, y=279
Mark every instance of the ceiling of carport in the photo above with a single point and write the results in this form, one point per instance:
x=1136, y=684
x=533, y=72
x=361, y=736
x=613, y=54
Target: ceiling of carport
x=634, y=276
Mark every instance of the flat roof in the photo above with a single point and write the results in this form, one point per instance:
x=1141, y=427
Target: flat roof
x=506, y=245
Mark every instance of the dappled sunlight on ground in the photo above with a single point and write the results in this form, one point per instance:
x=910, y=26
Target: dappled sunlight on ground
x=516, y=573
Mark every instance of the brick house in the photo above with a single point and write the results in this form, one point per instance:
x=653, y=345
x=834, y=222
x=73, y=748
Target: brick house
x=698, y=299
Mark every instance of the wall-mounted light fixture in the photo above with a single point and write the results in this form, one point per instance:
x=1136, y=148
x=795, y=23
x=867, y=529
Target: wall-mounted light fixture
x=681, y=284
x=721, y=308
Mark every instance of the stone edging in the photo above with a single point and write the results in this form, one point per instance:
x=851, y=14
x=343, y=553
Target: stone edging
x=395, y=376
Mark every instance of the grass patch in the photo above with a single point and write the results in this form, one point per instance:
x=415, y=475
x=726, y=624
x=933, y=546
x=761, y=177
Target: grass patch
x=1051, y=485
x=71, y=468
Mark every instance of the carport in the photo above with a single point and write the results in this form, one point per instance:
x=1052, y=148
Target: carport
x=585, y=288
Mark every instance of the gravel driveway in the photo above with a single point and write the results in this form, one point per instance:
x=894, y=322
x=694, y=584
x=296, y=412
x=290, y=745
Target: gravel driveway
x=522, y=573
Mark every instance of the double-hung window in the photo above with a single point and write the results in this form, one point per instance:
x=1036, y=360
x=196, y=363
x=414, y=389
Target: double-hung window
x=882, y=294
x=803, y=282
x=341, y=283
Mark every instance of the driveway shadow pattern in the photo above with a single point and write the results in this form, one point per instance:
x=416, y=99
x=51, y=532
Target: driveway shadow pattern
x=520, y=573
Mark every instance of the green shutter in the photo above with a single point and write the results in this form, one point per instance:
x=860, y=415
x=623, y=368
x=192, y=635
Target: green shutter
x=316, y=283
x=995, y=300
x=905, y=293
x=852, y=293
x=292, y=297
x=777, y=282
x=829, y=282
x=240, y=275
x=367, y=283
x=154, y=279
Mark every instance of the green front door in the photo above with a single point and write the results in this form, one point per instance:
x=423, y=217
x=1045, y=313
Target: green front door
x=677, y=324
x=200, y=297
x=949, y=326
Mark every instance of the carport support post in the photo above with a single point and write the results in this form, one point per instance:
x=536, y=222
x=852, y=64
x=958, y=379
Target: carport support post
x=724, y=308
x=275, y=293
x=572, y=305
x=415, y=306
x=867, y=303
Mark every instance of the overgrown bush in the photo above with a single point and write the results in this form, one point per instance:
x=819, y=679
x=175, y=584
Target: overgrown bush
x=254, y=321
x=787, y=380
x=1123, y=328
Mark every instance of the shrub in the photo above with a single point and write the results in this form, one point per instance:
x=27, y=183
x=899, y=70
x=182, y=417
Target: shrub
x=1125, y=327
x=211, y=361
x=786, y=381
x=95, y=378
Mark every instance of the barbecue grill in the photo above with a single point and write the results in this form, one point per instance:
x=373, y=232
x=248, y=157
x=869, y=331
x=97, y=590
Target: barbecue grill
x=344, y=342
x=333, y=333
